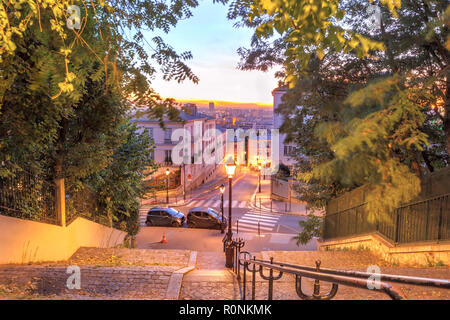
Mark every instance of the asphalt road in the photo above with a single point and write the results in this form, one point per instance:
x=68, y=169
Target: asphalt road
x=261, y=229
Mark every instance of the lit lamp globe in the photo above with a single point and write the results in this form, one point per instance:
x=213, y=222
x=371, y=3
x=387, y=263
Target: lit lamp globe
x=222, y=189
x=230, y=167
x=167, y=172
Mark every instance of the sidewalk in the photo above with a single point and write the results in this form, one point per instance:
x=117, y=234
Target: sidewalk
x=262, y=201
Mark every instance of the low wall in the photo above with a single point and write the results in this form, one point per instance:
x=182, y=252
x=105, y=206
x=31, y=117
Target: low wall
x=24, y=241
x=135, y=282
x=422, y=254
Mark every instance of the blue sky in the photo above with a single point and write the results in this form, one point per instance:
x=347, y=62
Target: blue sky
x=213, y=41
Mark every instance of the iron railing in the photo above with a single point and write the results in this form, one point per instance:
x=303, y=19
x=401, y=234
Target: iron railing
x=28, y=196
x=427, y=220
x=271, y=271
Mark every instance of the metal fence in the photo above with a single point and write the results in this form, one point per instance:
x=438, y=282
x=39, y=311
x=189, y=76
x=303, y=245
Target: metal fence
x=427, y=220
x=28, y=196
x=246, y=268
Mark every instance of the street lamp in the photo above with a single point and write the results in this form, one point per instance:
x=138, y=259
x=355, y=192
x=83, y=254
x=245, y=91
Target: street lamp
x=230, y=167
x=222, y=190
x=264, y=166
x=259, y=177
x=167, y=185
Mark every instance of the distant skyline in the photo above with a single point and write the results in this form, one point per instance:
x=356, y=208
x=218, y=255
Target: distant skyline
x=227, y=104
x=213, y=41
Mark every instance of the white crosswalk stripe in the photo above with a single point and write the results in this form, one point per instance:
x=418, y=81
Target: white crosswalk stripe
x=216, y=203
x=251, y=220
x=259, y=218
x=263, y=215
x=208, y=203
x=262, y=223
x=242, y=204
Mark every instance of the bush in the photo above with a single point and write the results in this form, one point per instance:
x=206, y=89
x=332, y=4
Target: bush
x=311, y=227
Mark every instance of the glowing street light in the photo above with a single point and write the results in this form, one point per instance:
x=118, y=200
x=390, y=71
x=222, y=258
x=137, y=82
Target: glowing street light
x=230, y=168
x=259, y=178
x=167, y=185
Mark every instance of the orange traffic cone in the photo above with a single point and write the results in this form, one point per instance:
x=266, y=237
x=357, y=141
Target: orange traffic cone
x=163, y=238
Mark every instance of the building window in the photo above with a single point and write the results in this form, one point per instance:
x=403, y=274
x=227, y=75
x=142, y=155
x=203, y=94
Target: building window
x=168, y=136
x=168, y=156
x=150, y=133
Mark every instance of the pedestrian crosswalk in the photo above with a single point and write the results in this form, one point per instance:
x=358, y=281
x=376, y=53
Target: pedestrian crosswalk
x=254, y=220
x=216, y=203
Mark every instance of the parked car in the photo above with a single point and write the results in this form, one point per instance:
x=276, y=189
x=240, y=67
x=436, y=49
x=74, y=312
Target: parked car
x=164, y=217
x=202, y=217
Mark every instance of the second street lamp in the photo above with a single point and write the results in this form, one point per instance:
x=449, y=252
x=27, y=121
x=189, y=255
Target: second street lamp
x=230, y=167
x=167, y=185
x=222, y=190
x=259, y=177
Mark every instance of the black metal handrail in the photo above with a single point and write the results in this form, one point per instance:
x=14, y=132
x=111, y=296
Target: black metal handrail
x=441, y=283
x=336, y=277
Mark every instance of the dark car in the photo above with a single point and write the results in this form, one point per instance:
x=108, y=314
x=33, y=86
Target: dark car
x=164, y=217
x=202, y=217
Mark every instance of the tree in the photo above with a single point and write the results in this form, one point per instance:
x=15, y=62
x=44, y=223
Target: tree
x=122, y=182
x=65, y=93
x=311, y=227
x=367, y=116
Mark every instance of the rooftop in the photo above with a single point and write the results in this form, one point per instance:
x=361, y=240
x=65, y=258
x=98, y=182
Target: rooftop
x=183, y=115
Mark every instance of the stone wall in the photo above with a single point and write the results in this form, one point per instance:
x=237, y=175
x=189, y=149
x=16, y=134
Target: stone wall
x=24, y=241
x=416, y=254
x=148, y=282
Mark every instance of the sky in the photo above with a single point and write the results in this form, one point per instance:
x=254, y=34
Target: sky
x=213, y=41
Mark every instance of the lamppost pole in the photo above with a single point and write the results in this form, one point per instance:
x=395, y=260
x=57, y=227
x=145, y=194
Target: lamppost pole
x=230, y=233
x=230, y=167
x=167, y=185
x=184, y=181
x=222, y=190
x=259, y=177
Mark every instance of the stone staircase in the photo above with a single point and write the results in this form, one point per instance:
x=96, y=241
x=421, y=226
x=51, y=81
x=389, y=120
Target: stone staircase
x=189, y=275
x=210, y=280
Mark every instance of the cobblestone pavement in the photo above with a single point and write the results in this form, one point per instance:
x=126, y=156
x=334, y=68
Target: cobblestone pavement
x=122, y=257
x=210, y=280
x=149, y=282
x=113, y=273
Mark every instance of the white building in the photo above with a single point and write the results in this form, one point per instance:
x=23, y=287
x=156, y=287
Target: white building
x=286, y=150
x=190, y=175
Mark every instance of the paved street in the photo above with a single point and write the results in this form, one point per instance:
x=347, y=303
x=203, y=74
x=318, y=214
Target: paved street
x=262, y=229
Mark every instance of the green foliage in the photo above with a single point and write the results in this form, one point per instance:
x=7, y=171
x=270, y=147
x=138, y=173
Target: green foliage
x=308, y=27
x=65, y=95
x=121, y=183
x=360, y=116
x=311, y=227
x=111, y=34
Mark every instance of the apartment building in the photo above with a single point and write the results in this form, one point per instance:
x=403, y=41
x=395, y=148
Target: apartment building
x=188, y=175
